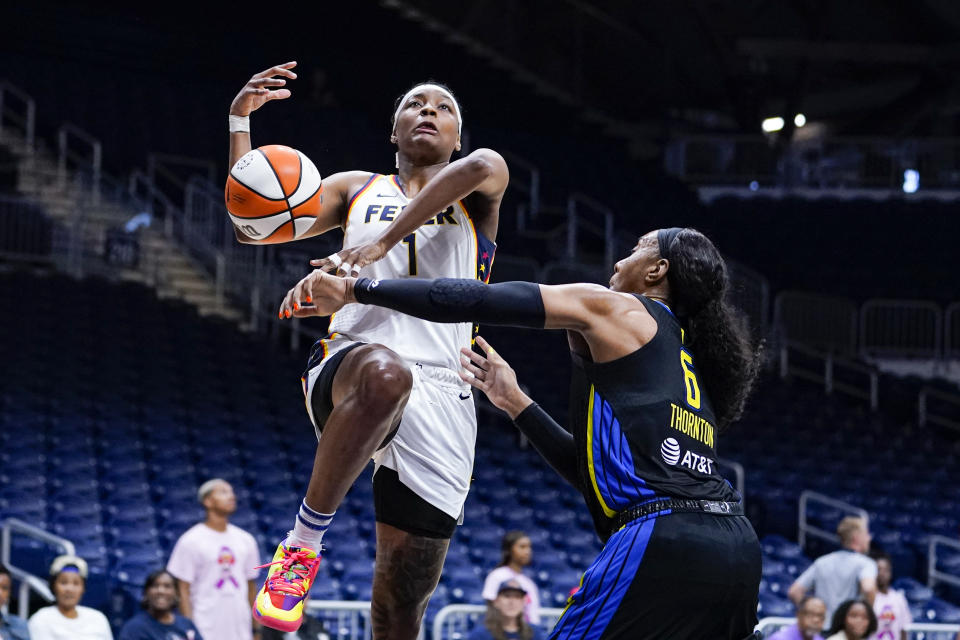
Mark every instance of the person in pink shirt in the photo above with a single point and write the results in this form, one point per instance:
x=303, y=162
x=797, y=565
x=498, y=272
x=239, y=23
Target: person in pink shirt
x=214, y=562
x=893, y=612
x=517, y=554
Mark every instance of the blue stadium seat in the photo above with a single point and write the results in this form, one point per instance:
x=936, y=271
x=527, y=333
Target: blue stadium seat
x=913, y=590
x=772, y=606
x=210, y=404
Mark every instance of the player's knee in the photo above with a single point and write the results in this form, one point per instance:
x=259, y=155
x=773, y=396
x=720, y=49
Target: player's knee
x=385, y=383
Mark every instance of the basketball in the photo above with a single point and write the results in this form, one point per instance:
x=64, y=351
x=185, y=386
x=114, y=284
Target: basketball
x=273, y=194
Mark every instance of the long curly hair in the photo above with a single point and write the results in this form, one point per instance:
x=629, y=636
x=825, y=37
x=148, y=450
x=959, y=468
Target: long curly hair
x=718, y=334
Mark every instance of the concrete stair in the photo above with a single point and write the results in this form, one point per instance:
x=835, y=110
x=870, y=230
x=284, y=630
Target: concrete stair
x=164, y=264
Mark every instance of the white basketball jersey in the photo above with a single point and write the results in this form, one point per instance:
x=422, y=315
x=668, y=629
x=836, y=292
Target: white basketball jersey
x=446, y=246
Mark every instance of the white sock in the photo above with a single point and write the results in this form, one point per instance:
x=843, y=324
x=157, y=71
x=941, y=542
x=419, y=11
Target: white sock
x=309, y=528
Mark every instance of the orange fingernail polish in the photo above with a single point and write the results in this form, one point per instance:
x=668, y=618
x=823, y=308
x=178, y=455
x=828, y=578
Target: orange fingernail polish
x=296, y=306
x=309, y=299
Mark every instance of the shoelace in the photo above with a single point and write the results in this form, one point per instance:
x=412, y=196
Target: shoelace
x=280, y=581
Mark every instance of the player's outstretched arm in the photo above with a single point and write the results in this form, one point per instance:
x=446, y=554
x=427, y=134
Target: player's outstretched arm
x=483, y=172
x=260, y=89
x=270, y=84
x=613, y=324
x=496, y=378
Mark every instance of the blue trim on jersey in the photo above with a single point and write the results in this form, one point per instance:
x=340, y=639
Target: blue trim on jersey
x=605, y=584
x=396, y=181
x=616, y=476
x=360, y=190
x=664, y=306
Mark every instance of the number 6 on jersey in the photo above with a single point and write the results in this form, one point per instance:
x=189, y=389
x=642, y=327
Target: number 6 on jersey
x=690, y=380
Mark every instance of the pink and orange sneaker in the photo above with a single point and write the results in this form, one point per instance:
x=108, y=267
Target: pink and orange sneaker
x=279, y=603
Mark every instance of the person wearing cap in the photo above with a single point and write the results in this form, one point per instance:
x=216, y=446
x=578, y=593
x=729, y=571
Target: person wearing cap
x=504, y=619
x=67, y=619
x=11, y=627
x=214, y=562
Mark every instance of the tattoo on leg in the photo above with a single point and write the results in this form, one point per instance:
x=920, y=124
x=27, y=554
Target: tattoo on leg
x=407, y=572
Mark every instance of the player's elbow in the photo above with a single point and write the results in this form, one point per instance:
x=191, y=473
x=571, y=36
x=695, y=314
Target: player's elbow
x=484, y=163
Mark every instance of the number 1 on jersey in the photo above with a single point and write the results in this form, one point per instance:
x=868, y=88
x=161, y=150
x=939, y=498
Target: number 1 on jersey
x=690, y=380
x=411, y=242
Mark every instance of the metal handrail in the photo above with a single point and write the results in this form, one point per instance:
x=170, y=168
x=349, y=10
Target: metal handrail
x=803, y=528
x=30, y=118
x=29, y=581
x=913, y=627
x=160, y=163
x=923, y=410
x=818, y=304
x=64, y=134
x=933, y=574
x=919, y=305
x=574, y=223
x=830, y=363
x=466, y=609
x=949, y=347
x=532, y=187
x=360, y=609
x=738, y=474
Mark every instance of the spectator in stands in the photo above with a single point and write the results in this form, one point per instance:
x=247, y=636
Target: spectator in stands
x=853, y=620
x=842, y=575
x=889, y=605
x=517, y=552
x=158, y=620
x=11, y=627
x=214, y=563
x=66, y=619
x=811, y=616
x=504, y=619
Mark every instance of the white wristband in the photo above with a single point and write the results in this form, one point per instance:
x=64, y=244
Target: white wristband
x=239, y=124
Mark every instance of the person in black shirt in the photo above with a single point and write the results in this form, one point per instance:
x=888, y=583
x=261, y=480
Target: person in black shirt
x=662, y=365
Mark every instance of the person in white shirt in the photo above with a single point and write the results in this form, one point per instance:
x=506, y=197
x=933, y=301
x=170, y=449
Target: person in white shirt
x=67, y=620
x=890, y=605
x=214, y=563
x=517, y=554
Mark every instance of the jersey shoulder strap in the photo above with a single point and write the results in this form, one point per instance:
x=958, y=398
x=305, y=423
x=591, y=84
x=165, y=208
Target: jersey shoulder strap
x=362, y=190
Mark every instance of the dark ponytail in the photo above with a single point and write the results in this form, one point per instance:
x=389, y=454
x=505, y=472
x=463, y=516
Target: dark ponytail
x=717, y=334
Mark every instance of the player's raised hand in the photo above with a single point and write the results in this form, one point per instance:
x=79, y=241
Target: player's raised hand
x=494, y=376
x=348, y=262
x=318, y=294
x=262, y=88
